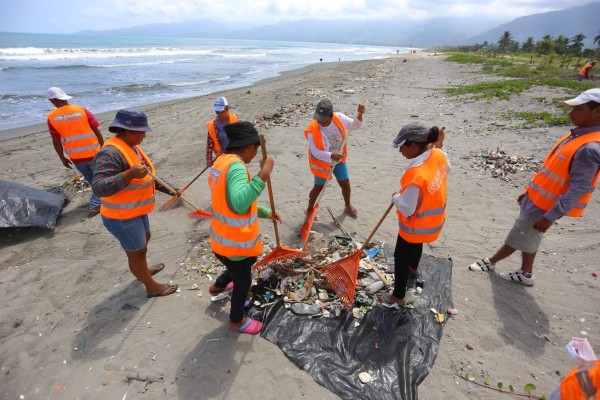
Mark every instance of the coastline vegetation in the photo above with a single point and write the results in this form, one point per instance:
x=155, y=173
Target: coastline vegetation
x=552, y=62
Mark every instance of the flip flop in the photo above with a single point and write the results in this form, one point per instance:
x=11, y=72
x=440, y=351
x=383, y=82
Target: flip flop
x=388, y=303
x=221, y=294
x=155, y=269
x=251, y=327
x=167, y=290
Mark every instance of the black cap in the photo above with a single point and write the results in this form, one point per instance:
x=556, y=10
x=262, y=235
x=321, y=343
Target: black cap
x=241, y=133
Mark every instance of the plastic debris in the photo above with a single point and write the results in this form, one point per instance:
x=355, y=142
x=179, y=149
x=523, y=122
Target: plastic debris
x=365, y=377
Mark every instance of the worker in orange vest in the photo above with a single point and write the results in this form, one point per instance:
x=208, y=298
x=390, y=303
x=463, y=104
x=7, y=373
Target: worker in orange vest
x=325, y=135
x=74, y=131
x=127, y=191
x=420, y=202
x=586, y=70
x=234, y=232
x=562, y=187
x=581, y=383
x=216, y=140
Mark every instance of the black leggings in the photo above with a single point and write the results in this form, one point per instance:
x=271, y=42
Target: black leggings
x=240, y=272
x=406, y=255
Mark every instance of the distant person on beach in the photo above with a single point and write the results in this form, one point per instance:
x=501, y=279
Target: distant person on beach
x=326, y=134
x=562, y=187
x=420, y=202
x=121, y=179
x=74, y=131
x=234, y=233
x=586, y=71
x=216, y=140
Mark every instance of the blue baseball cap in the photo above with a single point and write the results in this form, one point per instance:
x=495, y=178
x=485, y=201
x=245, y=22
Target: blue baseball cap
x=220, y=104
x=131, y=119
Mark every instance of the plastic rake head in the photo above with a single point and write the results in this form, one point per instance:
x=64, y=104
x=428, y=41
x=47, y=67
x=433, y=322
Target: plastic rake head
x=199, y=214
x=171, y=203
x=342, y=276
x=307, y=226
x=279, y=253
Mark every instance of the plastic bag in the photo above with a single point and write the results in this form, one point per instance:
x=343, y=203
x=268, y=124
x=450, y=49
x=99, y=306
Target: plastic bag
x=581, y=351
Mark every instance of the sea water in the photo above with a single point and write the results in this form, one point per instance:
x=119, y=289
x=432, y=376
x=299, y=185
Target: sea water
x=106, y=73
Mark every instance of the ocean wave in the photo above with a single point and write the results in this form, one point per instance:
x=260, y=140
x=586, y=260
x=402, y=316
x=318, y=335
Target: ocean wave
x=48, y=54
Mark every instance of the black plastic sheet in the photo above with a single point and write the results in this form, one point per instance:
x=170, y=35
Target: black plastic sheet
x=22, y=206
x=396, y=347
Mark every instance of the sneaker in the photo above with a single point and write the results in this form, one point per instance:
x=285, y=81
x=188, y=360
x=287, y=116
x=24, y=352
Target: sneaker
x=518, y=276
x=482, y=265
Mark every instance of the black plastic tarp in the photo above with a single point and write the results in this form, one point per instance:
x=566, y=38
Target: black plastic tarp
x=22, y=206
x=396, y=347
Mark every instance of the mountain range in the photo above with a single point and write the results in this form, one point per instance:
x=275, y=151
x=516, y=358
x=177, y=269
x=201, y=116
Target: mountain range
x=402, y=32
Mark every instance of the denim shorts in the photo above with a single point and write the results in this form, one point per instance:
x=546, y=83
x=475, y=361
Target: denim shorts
x=131, y=233
x=340, y=171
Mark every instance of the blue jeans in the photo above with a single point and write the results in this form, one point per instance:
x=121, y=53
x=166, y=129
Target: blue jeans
x=87, y=170
x=131, y=233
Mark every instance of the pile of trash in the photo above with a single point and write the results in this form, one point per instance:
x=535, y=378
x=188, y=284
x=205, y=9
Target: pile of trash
x=300, y=283
x=499, y=164
x=286, y=115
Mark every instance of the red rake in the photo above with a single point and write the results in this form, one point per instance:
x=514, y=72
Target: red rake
x=342, y=274
x=176, y=198
x=279, y=252
x=198, y=213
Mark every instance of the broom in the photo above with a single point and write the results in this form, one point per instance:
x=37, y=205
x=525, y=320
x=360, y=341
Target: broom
x=198, y=213
x=279, y=252
x=342, y=274
x=175, y=199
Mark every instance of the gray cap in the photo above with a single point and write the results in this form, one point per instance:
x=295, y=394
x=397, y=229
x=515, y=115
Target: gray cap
x=324, y=110
x=413, y=132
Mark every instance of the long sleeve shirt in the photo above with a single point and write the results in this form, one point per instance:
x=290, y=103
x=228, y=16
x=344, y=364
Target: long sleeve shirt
x=584, y=165
x=332, y=138
x=408, y=201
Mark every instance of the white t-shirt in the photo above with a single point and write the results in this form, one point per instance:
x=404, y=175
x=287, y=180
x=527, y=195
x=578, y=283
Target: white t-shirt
x=332, y=137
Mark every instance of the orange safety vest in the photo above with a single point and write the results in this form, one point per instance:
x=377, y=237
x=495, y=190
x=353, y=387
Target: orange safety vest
x=582, y=383
x=425, y=225
x=77, y=136
x=318, y=167
x=212, y=132
x=584, y=71
x=552, y=180
x=231, y=234
x=135, y=199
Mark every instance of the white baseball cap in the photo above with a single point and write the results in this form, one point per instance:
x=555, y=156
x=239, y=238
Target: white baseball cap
x=58, y=93
x=585, y=97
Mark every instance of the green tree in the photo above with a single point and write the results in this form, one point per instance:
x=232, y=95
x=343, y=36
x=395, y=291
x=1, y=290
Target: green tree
x=597, y=41
x=544, y=46
x=577, y=46
x=527, y=47
x=505, y=42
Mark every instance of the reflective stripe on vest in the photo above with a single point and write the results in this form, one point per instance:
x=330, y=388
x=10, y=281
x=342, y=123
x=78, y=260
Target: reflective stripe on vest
x=135, y=199
x=552, y=180
x=77, y=136
x=212, y=132
x=318, y=167
x=231, y=234
x=426, y=224
x=581, y=383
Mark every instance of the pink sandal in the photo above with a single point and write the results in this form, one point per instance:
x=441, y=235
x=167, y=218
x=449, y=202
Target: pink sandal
x=251, y=327
x=221, y=294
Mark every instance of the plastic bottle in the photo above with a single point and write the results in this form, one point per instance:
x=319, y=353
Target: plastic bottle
x=452, y=311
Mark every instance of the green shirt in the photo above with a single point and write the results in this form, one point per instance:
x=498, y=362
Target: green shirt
x=241, y=193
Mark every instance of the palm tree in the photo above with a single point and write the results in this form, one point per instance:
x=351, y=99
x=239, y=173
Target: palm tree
x=577, y=46
x=527, y=47
x=597, y=40
x=505, y=41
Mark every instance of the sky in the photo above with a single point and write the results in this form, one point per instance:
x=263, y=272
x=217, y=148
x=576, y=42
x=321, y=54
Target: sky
x=68, y=16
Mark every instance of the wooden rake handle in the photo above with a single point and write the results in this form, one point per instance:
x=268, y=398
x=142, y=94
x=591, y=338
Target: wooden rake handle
x=173, y=191
x=263, y=147
x=387, y=211
x=193, y=180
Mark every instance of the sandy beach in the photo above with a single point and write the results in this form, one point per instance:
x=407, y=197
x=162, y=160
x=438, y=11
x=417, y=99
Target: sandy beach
x=74, y=324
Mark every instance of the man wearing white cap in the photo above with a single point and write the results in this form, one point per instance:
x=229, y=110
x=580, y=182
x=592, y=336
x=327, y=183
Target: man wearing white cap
x=562, y=187
x=74, y=131
x=216, y=141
